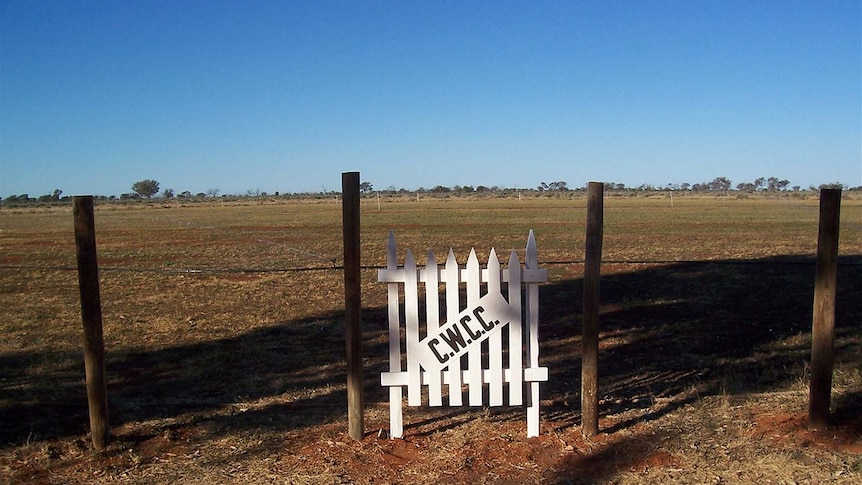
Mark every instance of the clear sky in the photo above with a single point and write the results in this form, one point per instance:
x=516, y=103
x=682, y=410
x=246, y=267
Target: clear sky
x=285, y=95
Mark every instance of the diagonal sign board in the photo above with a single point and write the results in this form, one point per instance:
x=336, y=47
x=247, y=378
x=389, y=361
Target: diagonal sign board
x=471, y=327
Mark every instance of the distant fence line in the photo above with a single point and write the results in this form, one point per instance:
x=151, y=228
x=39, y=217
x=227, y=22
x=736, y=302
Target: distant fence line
x=337, y=267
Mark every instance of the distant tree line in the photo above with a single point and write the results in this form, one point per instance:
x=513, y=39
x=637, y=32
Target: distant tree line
x=148, y=189
x=718, y=184
x=723, y=184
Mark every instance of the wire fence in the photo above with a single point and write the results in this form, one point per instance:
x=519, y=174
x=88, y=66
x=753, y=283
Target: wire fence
x=329, y=263
x=335, y=266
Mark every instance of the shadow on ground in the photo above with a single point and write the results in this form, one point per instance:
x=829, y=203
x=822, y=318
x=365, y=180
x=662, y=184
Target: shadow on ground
x=670, y=334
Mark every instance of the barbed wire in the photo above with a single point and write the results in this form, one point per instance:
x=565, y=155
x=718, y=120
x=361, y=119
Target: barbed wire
x=176, y=270
x=333, y=262
x=337, y=267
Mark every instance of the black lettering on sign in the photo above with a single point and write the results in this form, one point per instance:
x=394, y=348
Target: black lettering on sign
x=473, y=335
x=453, y=337
x=488, y=326
x=433, y=346
x=471, y=327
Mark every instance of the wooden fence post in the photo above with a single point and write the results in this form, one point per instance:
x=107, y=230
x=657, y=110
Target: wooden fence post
x=592, y=273
x=91, y=315
x=823, y=323
x=352, y=303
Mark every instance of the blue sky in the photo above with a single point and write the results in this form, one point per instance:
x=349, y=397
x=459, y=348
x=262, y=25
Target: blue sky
x=286, y=95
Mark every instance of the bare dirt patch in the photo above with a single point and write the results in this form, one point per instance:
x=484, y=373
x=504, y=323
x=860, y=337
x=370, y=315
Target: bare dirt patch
x=792, y=430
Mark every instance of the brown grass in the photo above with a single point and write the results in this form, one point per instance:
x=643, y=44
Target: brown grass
x=224, y=336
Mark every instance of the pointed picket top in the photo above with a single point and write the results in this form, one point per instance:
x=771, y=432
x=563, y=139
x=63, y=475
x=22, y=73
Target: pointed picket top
x=493, y=270
x=473, y=271
x=472, y=260
x=391, y=258
x=513, y=260
x=532, y=256
x=472, y=257
x=451, y=269
x=450, y=260
x=409, y=260
x=432, y=280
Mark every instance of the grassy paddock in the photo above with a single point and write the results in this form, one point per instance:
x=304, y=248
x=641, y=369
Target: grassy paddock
x=224, y=343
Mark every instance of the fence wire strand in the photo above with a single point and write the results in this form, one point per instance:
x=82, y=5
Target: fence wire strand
x=337, y=267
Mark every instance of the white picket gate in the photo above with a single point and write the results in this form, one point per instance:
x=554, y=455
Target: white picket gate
x=434, y=348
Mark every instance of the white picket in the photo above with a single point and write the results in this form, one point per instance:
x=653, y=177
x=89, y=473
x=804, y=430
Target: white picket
x=495, y=342
x=432, y=321
x=474, y=356
x=516, y=336
x=532, y=296
x=474, y=332
x=452, y=279
x=411, y=315
x=396, y=423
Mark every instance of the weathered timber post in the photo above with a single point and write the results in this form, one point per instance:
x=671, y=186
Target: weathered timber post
x=352, y=303
x=592, y=274
x=91, y=315
x=823, y=322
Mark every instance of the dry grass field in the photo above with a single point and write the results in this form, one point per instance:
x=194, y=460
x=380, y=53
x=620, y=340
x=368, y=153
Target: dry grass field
x=225, y=351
